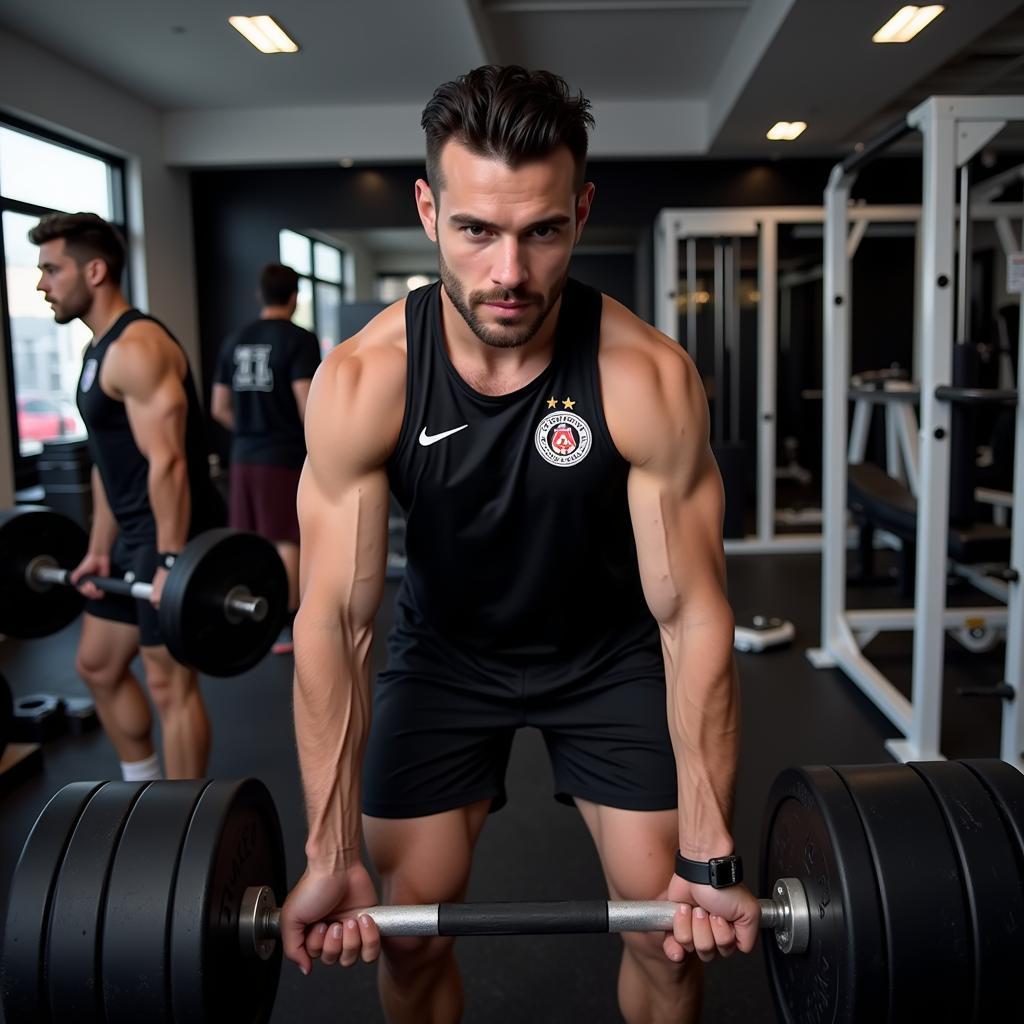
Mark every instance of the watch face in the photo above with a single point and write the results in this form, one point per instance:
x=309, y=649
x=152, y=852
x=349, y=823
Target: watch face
x=726, y=871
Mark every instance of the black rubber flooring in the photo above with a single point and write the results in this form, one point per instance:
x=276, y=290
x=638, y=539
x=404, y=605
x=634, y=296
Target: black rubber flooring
x=535, y=848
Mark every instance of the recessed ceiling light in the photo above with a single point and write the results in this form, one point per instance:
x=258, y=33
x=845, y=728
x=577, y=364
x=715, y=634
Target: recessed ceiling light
x=264, y=33
x=906, y=23
x=786, y=131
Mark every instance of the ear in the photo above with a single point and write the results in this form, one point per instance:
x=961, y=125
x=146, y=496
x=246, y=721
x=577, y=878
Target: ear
x=95, y=272
x=584, y=200
x=427, y=208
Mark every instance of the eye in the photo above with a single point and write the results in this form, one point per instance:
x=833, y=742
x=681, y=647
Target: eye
x=545, y=231
x=475, y=231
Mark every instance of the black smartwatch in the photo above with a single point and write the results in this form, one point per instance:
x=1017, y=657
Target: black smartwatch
x=719, y=872
x=166, y=559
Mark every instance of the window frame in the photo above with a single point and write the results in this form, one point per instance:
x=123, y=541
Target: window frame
x=314, y=280
x=118, y=199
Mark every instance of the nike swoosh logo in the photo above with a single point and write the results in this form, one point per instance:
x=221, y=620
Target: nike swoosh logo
x=428, y=439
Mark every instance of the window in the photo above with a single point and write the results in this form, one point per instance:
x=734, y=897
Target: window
x=321, y=285
x=41, y=174
x=392, y=287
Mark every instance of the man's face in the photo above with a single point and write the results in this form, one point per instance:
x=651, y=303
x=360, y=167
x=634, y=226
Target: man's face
x=63, y=282
x=505, y=237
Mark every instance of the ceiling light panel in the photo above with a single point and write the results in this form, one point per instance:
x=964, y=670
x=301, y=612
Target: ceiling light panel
x=786, y=131
x=264, y=33
x=906, y=23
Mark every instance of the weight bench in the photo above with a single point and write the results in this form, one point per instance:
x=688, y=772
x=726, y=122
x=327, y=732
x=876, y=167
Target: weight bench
x=881, y=503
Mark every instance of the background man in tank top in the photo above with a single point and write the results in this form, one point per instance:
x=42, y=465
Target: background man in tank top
x=151, y=493
x=565, y=571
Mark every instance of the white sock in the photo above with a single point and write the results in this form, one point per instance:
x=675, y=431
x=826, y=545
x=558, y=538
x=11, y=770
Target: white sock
x=147, y=770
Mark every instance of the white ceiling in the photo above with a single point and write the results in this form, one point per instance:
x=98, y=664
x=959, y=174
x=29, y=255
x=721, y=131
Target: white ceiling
x=667, y=77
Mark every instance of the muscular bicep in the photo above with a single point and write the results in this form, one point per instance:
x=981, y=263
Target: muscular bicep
x=677, y=523
x=676, y=498
x=343, y=502
x=154, y=400
x=344, y=531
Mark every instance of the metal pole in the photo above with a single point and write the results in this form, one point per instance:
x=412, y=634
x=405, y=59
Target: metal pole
x=938, y=209
x=963, y=263
x=767, y=376
x=691, y=298
x=1012, y=745
x=732, y=334
x=835, y=382
x=719, y=372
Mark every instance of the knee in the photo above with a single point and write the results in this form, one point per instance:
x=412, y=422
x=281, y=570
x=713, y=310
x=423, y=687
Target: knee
x=168, y=692
x=100, y=674
x=647, y=949
x=409, y=957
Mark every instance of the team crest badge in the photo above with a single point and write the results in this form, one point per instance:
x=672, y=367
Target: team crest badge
x=89, y=374
x=563, y=438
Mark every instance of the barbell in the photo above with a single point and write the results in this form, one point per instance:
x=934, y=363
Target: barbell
x=900, y=896
x=223, y=604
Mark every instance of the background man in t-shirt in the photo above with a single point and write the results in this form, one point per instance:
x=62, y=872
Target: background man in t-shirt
x=259, y=393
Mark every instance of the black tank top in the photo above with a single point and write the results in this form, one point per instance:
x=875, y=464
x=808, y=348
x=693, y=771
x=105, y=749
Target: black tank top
x=123, y=468
x=519, y=539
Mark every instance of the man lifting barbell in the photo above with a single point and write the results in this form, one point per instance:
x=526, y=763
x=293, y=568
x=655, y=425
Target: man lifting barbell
x=151, y=492
x=564, y=555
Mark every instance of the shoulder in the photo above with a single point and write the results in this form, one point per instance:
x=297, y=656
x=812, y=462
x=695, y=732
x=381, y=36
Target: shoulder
x=144, y=352
x=360, y=386
x=651, y=391
x=144, y=334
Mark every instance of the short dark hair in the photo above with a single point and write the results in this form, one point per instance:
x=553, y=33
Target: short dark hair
x=278, y=284
x=87, y=236
x=508, y=113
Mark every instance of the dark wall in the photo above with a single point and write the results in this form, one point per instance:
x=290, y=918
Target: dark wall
x=238, y=214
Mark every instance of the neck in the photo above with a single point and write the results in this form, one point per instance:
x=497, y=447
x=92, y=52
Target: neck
x=275, y=313
x=106, y=307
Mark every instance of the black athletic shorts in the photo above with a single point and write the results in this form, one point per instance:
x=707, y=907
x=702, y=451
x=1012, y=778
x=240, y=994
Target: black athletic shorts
x=139, y=559
x=444, y=719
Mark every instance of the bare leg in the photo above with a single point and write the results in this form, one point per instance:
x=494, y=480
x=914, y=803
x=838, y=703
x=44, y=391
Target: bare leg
x=290, y=556
x=183, y=720
x=105, y=652
x=423, y=860
x=637, y=850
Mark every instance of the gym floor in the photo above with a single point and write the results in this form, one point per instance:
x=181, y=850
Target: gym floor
x=535, y=848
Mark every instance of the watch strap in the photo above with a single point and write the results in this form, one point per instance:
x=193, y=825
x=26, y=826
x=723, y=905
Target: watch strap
x=166, y=559
x=719, y=872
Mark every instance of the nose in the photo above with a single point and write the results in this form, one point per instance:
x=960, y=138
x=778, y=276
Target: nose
x=509, y=270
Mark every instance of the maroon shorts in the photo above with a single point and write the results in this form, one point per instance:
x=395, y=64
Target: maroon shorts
x=263, y=501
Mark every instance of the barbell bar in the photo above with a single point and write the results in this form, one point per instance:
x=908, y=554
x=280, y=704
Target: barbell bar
x=786, y=913
x=238, y=602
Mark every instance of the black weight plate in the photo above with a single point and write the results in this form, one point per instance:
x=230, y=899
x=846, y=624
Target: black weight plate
x=992, y=883
x=29, y=901
x=140, y=895
x=39, y=718
x=926, y=923
x=72, y=965
x=80, y=714
x=27, y=532
x=1006, y=787
x=234, y=842
x=812, y=831
x=192, y=617
x=6, y=714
